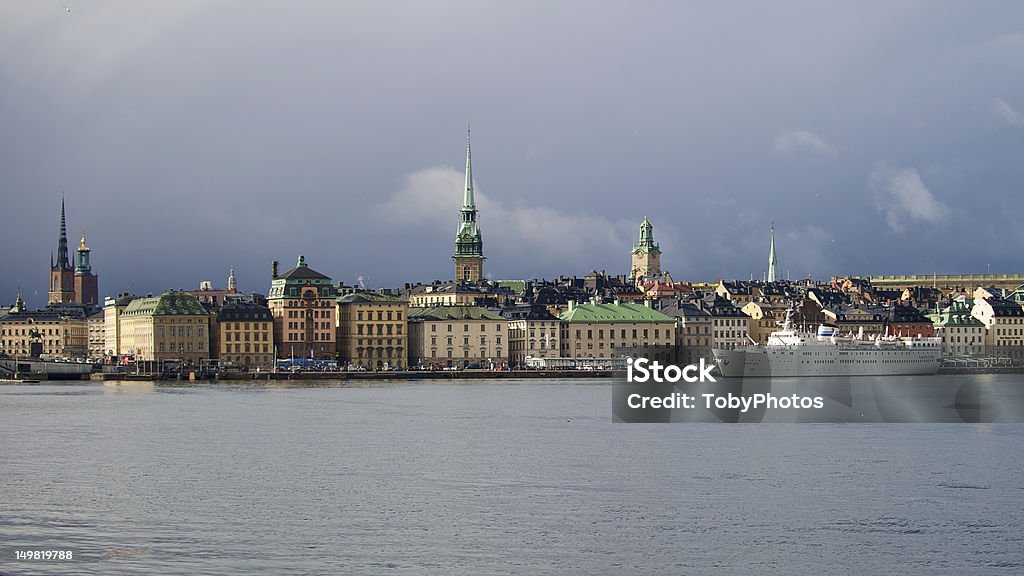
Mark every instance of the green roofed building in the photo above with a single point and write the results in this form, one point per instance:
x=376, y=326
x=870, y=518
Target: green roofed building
x=961, y=333
x=607, y=330
x=457, y=337
x=172, y=326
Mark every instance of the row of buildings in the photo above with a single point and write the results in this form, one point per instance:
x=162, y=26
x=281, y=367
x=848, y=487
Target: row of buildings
x=472, y=321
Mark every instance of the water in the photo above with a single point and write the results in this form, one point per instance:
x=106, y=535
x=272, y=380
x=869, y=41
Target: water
x=527, y=477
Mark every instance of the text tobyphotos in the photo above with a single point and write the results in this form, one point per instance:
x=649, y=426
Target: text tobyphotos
x=643, y=370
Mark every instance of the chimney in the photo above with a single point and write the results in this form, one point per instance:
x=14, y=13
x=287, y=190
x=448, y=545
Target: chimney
x=572, y=305
x=273, y=268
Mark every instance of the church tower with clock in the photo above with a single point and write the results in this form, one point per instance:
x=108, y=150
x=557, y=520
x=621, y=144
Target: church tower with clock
x=469, y=244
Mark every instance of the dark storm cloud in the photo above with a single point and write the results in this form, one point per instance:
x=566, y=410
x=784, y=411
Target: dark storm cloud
x=193, y=136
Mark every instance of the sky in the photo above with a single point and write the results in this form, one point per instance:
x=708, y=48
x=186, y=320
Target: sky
x=189, y=137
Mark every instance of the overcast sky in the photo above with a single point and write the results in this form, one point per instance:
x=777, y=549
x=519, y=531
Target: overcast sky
x=189, y=137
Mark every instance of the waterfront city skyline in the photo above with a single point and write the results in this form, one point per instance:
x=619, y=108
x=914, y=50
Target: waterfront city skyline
x=880, y=139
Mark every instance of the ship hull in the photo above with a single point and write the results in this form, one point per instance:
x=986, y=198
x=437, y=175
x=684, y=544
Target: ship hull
x=824, y=360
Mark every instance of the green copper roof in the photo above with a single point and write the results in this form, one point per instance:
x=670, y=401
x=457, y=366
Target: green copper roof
x=468, y=240
x=141, y=306
x=175, y=303
x=467, y=199
x=171, y=303
x=646, y=243
x=631, y=313
x=452, y=313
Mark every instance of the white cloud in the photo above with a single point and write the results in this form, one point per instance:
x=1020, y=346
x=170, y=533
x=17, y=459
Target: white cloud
x=901, y=196
x=570, y=241
x=1003, y=109
x=802, y=141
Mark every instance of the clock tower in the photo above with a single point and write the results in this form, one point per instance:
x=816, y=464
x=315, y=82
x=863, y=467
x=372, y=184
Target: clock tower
x=646, y=254
x=469, y=244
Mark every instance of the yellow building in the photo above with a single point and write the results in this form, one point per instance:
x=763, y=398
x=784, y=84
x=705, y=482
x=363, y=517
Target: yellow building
x=112, y=310
x=765, y=318
x=97, y=341
x=533, y=332
x=1004, y=323
x=245, y=335
x=373, y=330
x=172, y=326
x=457, y=336
x=57, y=333
x=302, y=302
x=611, y=330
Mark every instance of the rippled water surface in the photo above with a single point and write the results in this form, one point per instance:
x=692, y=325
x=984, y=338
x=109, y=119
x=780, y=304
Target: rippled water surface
x=526, y=477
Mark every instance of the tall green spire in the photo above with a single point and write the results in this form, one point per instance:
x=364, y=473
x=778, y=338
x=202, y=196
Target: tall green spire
x=467, y=199
x=468, y=240
x=771, y=258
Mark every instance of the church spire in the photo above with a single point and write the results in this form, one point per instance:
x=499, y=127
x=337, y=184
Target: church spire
x=467, y=199
x=231, y=281
x=772, y=274
x=62, y=240
x=469, y=244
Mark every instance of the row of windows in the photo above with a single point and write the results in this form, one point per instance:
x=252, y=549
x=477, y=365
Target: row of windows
x=315, y=325
x=301, y=337
x=395, y=328
x=465, y=353
x=465, y=327
x=391, y=315
x=181, y=346
x=237, y=348
x=300, y=304
x=622, y=333
x=25, y=331
x=182, y=332
x=388, y=341
x=238, y=336
x=465, y=340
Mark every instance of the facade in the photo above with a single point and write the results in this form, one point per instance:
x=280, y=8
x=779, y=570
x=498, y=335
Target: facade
x=1004, y=323
x=765, y=318
x=533, y=332
x=55, y=332
x=856, y=320
x=645, y=260
x=457, y=336
x=611, y=330
x=730, y=327
x=961, y=333
x=909, y=321
x=373, y=330
x=469, y=243
x=172, y=326
x=482, y=294
x=245, y=335
x=693, y=328
x=96, y=325
x=112, y=310
x=302, y=302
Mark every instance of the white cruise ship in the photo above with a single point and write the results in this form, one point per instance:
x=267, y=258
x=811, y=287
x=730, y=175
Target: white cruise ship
x=797, y=353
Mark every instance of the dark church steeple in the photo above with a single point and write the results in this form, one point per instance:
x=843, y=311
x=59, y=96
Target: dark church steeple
x=62, y=274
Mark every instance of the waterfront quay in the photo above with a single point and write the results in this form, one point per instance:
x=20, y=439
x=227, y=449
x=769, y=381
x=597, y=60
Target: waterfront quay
x=360, y=375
